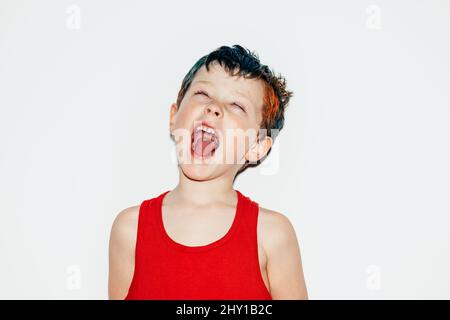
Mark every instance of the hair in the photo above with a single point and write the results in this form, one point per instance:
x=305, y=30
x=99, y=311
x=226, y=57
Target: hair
x=239, y=61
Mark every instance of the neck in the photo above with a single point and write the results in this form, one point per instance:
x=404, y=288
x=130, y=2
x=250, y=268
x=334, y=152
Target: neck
x=204, y=192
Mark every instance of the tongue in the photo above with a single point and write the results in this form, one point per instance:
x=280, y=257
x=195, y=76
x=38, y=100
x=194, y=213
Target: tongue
x=204, y=148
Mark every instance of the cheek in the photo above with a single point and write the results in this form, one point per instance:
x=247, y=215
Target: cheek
x=185, y=117
x=238, y=141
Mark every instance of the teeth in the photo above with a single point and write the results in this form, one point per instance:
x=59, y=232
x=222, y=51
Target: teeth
x=206, y=129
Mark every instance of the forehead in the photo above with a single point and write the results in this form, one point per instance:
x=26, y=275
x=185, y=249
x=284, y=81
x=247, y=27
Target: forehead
x=250, y=89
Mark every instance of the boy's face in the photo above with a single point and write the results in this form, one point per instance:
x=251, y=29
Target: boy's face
x=232, y=107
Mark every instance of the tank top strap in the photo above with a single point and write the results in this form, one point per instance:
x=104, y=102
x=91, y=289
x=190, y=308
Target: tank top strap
x=147, y=216
x=246, y=235
x=249, y=219
x=146, y=240
x=147, y=229
x=246, y=241
x=151, y=218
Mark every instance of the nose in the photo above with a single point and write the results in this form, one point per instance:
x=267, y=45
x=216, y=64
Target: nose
x=214, y=109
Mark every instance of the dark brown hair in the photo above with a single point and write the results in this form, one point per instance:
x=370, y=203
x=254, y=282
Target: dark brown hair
x=238, y=61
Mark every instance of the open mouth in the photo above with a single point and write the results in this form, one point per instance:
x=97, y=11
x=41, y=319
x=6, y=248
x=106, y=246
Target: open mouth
x=204, y=142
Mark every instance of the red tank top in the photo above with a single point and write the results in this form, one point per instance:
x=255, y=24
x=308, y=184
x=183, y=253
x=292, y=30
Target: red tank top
x=226, y=269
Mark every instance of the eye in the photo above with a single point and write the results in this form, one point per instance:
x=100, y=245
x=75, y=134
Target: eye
x=235, y=104
x=201, y=92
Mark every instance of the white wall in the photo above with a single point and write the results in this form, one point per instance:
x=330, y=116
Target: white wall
x=363, y=159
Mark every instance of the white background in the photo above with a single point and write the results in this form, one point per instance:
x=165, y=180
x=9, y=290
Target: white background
x=362, y=167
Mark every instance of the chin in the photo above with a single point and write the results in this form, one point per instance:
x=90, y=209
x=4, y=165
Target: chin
x=195, y=167
x=198, y=172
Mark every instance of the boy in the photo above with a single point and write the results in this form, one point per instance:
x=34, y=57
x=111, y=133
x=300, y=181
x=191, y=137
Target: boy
x=204, y=239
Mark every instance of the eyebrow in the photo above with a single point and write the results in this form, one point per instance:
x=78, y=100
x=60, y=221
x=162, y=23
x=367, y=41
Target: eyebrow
x=239, y=93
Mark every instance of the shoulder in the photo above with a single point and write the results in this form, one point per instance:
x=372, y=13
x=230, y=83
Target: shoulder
x=126, y=218
x=122, y=244
x=275, y=229
x=284, y=263
x=124, y=227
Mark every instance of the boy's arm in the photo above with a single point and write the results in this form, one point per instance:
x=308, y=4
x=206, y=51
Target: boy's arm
x=122, y=245
x=284, y=264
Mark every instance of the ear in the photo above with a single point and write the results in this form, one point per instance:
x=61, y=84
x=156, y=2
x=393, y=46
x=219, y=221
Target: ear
x=259, y=149
x=173, y=112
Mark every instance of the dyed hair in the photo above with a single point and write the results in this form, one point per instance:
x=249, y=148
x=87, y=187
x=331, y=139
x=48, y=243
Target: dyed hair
x=238, y=61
